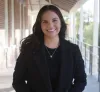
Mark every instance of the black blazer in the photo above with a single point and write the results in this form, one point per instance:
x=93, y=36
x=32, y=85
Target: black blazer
x=31, y=75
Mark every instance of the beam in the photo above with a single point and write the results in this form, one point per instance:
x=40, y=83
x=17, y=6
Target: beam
x=6, y=22
x=30, y=5
x=77, y=5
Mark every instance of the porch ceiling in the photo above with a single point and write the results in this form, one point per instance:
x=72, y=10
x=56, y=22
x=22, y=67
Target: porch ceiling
x=64, y=4
x=35, y=5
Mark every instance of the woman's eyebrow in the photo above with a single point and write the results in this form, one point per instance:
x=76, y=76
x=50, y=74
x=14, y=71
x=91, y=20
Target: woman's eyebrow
x=43, y=20
x=55, y=18
x=47, y=20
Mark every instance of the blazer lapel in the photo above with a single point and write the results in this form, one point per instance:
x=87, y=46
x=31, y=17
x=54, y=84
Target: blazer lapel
x=43, y=67
x=66, y=66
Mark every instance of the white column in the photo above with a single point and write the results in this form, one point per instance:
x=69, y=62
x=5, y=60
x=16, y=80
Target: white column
x=96, y=22
x=13, y=30
x=81, y=25
x=20, y=22
x=95, y=34
x=32, y=21
x=39, y=4
x=50, y=1
x=23, y=31
x=6, y=36
x=81, y=29
x=72, y=32
x=6, y=22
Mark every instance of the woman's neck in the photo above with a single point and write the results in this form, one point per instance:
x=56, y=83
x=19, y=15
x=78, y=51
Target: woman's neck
x=51, y=42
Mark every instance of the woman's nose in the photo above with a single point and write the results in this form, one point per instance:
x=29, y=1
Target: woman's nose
x=50, y=25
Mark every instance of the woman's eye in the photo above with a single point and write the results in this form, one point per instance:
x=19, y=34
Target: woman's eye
x=44, y=22
x=54, y=20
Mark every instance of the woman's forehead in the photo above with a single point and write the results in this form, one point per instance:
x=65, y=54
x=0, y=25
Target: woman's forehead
x=49, y=15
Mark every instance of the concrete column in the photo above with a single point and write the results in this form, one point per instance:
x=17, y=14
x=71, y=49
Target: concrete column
x=99, y=49
x=23, y=23
x=6, y=22
x=96, y=22
x=99, y=58
x=40, y=4
x=72, y=33
x=95, y=36
x=32, y=23
x=50, y=1
x=20, y=22
x=81, y=25
x=73, y=22
x=81, y=29
x=4, y=64
x=13, y=30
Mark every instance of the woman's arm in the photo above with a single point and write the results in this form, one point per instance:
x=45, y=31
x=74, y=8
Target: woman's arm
x=19, y=75
x=79, y=74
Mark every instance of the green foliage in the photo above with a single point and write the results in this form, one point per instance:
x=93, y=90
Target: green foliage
x=77, y=21
x=88, y=26
x=88, y=33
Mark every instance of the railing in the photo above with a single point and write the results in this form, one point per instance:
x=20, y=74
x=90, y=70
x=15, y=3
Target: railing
x=91, y=58
x=8, y=57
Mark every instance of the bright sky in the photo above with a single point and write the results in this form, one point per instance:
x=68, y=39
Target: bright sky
x=89, y=6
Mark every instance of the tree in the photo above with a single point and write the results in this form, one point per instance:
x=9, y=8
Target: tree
x=88, y=33
x=88, y=26
x=77, y=21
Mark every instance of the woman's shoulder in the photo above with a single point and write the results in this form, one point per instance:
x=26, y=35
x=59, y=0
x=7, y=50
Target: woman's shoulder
x=70, y=44
x=74, y=48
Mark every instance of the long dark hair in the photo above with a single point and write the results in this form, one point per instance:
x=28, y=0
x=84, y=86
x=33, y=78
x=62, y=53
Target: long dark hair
x=37, y=36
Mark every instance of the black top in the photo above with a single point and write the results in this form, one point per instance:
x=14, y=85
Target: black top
x=53, y=65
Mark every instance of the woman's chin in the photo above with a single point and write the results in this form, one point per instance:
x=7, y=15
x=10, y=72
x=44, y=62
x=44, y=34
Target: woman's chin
x=52, y=36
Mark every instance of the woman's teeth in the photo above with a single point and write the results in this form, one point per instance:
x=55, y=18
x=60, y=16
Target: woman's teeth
x=51, y=30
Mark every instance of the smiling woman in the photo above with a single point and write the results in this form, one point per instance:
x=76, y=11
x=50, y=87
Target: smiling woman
x=51, y=25
x=47, y=61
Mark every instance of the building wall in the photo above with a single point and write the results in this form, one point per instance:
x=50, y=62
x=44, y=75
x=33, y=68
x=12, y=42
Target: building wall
x=2, y=14
x=20, y=22
x=2, y=22
x=13, y=26
x=9, y=22
x=17, y=29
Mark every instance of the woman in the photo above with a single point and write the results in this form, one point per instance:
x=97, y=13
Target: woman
x=47, y=62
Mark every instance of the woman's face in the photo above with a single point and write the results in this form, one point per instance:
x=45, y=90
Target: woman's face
x=50, y=24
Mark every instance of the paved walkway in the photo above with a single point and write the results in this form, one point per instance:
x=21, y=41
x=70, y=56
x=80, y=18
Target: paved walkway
x=6, y=81
x=5, y=84
x=92, y=84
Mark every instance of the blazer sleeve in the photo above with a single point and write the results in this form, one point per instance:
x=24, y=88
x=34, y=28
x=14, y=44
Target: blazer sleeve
x=19, y=75
x=79, y=73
